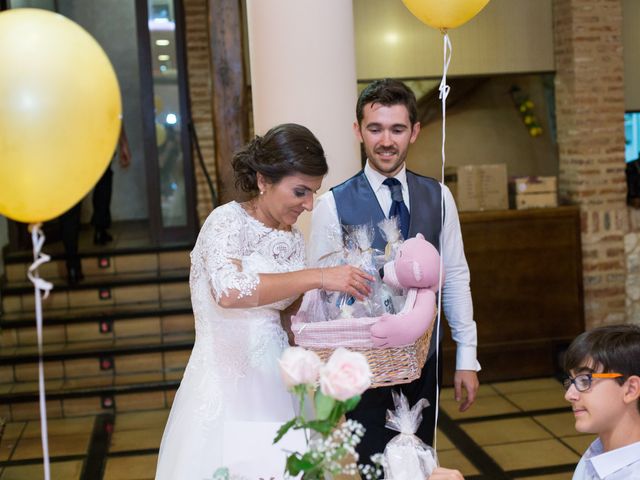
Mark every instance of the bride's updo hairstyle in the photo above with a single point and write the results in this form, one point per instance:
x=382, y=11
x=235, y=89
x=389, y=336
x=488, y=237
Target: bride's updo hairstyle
x=284, y=150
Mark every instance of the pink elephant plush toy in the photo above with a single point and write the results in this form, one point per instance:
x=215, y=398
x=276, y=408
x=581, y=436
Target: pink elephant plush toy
x=416, y=268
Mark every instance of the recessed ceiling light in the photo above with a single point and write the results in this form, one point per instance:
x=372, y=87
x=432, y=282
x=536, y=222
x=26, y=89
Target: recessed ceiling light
x=392, y=38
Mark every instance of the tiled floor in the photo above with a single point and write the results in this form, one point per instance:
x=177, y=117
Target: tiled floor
x=516, y=430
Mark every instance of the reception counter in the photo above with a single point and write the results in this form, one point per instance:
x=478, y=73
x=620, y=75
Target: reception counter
x=526, y=283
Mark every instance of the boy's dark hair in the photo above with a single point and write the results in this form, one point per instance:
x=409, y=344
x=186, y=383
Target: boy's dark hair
x=615, y=348
x=388, y=92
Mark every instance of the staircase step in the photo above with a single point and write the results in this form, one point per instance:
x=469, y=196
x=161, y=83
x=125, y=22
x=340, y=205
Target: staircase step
x=68, y=360
x=137, y=377
x=68, y=400
x=117, y=289
x=101, y=261
x=145, y=366
x=98, y=323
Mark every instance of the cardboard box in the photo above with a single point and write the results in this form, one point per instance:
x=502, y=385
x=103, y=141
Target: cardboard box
x=533, y=192
x=521, y=185
x=478, y=187
x=535, y=200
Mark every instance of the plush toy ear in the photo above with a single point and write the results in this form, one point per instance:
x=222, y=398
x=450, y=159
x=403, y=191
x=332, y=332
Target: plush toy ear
x=417, y=271
x=420, y=236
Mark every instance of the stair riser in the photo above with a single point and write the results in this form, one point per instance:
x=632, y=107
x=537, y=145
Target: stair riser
x=105, y=265
x=167, y=365
x=82, y=331
x=78, y=407
x=108, y=297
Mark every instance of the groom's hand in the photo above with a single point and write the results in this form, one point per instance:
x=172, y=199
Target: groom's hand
x=467, y=380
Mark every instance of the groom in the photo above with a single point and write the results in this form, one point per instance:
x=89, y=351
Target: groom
x=386, y=125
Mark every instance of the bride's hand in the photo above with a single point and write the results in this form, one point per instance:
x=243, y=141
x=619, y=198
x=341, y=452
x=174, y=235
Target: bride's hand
x=348, y=279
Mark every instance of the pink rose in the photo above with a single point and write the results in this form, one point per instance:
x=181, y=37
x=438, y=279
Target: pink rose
x=345, y=375
x=299, y=366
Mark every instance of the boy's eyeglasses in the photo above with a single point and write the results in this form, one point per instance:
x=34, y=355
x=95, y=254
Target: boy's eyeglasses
x=583, y=381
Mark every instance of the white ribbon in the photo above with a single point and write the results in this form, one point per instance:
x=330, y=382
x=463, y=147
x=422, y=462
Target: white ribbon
x=444, y=93
x=38, y=238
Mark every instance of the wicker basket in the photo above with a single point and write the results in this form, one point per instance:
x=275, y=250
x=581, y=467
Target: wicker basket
x=390, y=366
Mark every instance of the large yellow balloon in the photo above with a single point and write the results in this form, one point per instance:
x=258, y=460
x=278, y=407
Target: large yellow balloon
x=445, y=14
x=60, y=114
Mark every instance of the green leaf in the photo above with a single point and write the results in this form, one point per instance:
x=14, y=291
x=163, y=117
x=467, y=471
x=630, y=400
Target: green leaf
x=284, y=429
x=351, y=403
x=336, y=413
x=297, y=464
x=293, y=464
x=322, y=426
x=324, y=405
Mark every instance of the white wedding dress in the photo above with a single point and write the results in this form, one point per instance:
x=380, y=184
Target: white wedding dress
x=232, y=374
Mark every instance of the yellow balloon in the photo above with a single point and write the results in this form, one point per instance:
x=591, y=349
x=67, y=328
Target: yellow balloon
x=445, y=14
x=60, y=114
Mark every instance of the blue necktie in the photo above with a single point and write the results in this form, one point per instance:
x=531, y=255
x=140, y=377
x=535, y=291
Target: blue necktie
x=398, y=207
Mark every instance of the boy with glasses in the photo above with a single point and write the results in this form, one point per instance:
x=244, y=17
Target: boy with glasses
x=603, y=388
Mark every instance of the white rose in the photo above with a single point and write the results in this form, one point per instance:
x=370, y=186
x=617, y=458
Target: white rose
x=345, y=375
x=299, y=366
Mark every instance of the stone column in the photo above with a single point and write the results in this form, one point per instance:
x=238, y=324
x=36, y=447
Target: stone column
x=303, y=70
x=590, y=122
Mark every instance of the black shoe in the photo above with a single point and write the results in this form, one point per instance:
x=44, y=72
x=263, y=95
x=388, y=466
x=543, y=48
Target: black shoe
x=74, y=275
x=102, y=237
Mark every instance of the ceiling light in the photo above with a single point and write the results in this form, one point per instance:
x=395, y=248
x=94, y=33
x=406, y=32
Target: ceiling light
x=391, y=38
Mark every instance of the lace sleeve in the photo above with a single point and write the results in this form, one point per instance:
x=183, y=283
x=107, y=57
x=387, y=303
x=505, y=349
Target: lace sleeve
x=223, y=247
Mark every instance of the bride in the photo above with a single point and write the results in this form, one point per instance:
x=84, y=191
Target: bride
x=246, y=267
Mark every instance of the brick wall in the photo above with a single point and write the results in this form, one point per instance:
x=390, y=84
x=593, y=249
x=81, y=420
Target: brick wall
x=199, y=74
x=590, y=122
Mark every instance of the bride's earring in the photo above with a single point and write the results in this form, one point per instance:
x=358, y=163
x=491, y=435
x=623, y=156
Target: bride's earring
x=261, y=192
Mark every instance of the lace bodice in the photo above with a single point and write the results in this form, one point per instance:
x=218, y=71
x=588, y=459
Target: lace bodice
x=232, y=249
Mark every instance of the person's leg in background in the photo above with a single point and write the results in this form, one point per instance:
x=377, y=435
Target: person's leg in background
x=101, y=219
x=70, y=231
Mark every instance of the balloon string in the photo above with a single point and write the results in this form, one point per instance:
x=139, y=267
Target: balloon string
x=444, y=93
x=40, y=285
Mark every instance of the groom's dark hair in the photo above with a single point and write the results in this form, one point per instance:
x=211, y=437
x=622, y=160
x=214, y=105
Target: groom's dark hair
x=388, y=92
x=284, y=150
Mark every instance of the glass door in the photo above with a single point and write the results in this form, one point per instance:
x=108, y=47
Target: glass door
x=164, y=87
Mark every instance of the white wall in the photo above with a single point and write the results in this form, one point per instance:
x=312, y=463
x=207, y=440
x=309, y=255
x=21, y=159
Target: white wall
x=507, y=36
